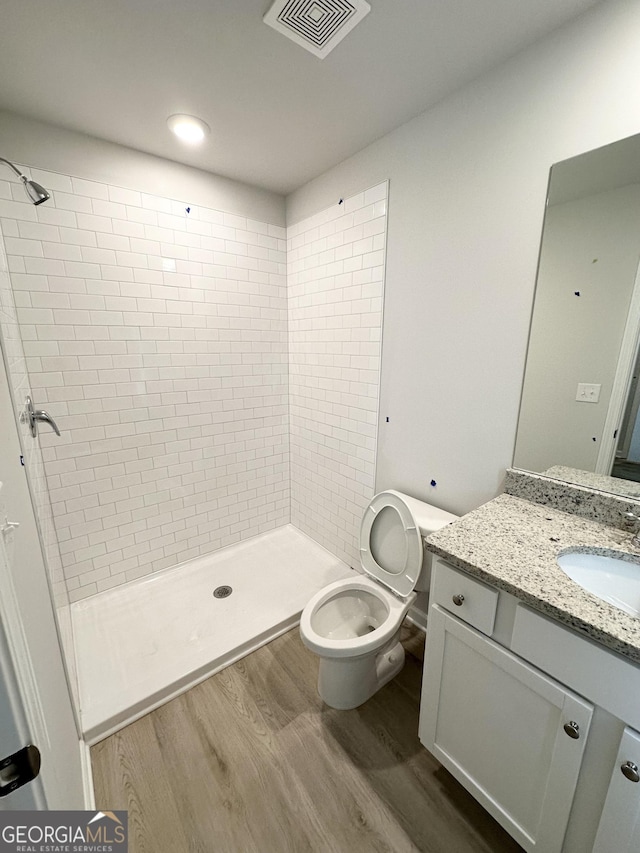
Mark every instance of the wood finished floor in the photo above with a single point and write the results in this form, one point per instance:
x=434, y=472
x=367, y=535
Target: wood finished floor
x=251, y=761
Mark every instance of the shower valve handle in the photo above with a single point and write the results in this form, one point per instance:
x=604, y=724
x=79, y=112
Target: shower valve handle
x=35, y=415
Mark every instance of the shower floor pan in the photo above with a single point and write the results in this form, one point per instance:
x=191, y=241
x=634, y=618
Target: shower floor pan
x=139, y=645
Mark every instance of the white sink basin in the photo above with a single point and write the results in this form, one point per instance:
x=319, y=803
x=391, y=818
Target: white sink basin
x=612, y=576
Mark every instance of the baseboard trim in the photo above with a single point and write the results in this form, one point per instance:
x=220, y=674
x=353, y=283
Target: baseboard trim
x=87, y=777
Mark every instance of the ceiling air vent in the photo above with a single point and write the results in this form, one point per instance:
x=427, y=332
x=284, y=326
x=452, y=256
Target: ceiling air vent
x=317, y=25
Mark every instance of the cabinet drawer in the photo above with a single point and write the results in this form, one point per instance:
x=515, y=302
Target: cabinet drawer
x=470, y=600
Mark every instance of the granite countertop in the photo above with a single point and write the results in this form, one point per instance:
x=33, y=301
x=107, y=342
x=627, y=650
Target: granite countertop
x=512, y=544
x=623, y=488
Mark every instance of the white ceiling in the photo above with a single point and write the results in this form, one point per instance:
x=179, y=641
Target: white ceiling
x=117, y=69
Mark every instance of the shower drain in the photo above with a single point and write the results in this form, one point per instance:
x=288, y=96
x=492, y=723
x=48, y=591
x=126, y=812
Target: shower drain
x=222, y=591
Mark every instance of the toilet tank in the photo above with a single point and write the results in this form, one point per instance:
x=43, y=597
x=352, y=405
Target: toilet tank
x=429, y=519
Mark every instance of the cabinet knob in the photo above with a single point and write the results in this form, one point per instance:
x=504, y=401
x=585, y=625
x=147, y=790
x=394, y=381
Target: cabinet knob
x=458, y=599
x=572, y=729
x=630, y=771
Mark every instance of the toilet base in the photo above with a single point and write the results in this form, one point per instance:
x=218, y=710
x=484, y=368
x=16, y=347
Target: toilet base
x=345, y=683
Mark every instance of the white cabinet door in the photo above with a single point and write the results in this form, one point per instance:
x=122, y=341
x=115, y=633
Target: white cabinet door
x=619, y=827
x=503, y=729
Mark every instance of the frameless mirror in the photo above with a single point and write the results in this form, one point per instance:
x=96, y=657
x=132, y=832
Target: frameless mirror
x=579, y=413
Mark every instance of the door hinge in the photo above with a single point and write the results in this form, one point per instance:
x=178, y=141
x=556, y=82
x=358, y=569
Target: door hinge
x=18, y=769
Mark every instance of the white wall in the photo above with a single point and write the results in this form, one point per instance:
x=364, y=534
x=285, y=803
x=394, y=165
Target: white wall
x=335, y=277
x=39, y=145
x=156, y=336
x=467, y=188
x=591, y=246
x=65, y=161
x=170, y=385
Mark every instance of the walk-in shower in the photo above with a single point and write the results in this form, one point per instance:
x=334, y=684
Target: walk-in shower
x=36, y=192
x=172, y=377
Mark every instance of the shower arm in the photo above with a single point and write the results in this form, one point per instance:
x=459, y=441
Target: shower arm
x=36, y=193
x=11, y=166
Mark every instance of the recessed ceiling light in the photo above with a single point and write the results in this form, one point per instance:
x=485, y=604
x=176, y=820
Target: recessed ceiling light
x=188, y=128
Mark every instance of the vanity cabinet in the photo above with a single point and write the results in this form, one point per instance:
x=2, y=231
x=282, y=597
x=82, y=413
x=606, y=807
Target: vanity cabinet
x=619, y=827
x=535, y=720
x=512, y=736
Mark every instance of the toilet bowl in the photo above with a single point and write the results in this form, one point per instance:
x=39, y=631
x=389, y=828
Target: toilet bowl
x=353, y=625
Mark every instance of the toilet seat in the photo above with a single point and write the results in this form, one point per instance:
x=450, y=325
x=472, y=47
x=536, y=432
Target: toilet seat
x=354, y=646
x=391, y=555
x=400, y=579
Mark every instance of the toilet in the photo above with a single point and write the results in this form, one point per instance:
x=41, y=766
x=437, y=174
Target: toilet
x=353, y=625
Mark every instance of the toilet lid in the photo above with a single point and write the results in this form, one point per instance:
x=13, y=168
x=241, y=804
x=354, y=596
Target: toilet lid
x=391, y=543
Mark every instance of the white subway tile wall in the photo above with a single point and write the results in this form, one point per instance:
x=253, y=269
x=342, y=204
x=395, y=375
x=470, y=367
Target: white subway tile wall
x=336, y=263
x=19, y=386
x=155, y=334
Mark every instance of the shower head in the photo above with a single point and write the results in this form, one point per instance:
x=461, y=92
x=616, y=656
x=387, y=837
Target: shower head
x=37, y=193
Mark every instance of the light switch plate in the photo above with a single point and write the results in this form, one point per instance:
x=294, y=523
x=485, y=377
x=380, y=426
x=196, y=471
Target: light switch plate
x=588, y=393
